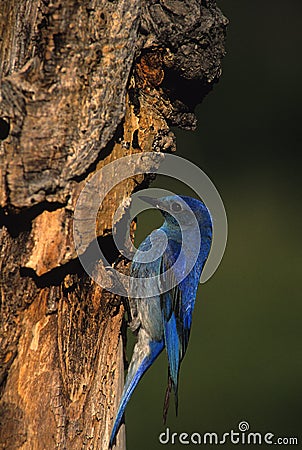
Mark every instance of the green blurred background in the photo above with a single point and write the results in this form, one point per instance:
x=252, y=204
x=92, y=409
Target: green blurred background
x=244, y=357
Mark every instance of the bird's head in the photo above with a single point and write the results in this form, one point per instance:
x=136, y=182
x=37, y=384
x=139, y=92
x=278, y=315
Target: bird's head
x=181, y=211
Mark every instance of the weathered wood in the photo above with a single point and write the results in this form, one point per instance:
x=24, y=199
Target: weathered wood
x=82, y=84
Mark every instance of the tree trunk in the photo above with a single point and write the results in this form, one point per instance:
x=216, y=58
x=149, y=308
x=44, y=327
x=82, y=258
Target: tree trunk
x=82, y=84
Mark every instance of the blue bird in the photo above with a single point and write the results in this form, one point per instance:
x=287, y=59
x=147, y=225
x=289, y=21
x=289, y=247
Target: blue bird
x=162, y=316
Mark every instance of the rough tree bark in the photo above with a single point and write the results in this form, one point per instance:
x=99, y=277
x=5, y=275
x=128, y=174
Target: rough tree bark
x=82, y=84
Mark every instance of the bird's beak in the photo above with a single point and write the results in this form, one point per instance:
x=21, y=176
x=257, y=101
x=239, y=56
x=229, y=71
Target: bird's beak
x=150, y=200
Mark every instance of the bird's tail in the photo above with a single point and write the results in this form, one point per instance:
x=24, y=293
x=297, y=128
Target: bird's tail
x=167, y=398
x=144, y=355
x=171, y=384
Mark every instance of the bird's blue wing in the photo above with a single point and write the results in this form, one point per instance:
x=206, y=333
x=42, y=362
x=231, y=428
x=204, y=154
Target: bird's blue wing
x=177, y=305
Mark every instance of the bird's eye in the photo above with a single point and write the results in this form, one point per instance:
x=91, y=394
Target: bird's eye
x=176, y=207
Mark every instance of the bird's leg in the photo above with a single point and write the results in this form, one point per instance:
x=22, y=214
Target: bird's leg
x=132, y=322
x=167, y=399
